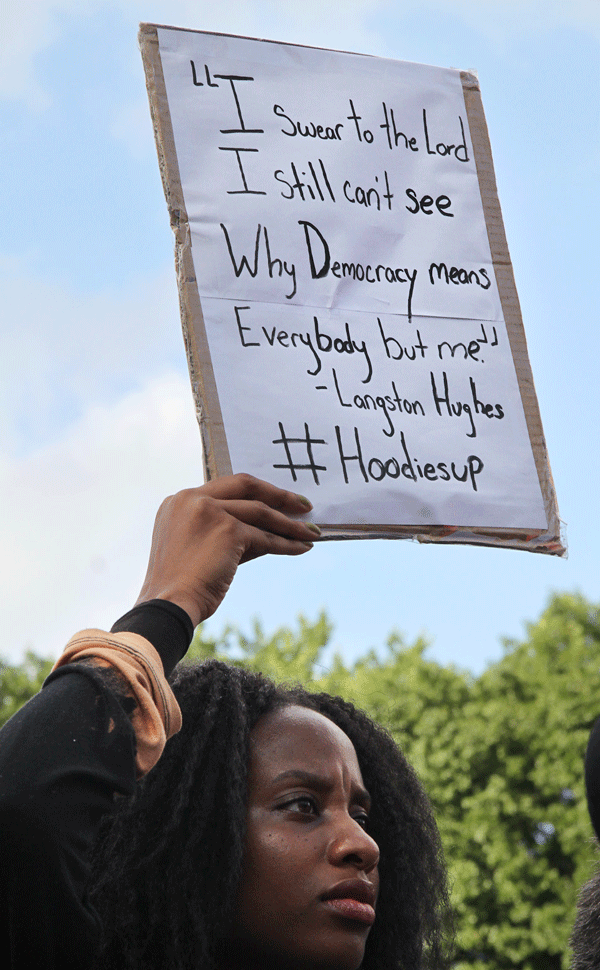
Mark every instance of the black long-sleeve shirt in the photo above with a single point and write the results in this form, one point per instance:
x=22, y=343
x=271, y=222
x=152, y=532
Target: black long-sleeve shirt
x=63, y=757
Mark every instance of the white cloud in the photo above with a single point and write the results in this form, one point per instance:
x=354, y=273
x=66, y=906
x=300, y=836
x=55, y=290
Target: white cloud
x=97, y=424
x=28, y=27
x=31, y=26
x=64, y=350
x=76, y=517
x=503, y=19
x=304, y=22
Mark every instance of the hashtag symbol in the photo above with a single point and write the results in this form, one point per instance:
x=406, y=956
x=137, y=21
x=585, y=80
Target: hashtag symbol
x=308, y=442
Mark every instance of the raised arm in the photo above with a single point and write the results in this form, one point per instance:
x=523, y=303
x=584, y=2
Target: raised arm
x=201, y=535
x=65, y=755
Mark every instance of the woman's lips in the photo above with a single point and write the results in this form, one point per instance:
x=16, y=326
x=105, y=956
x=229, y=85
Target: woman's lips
x=353, y=899
x=352, y=909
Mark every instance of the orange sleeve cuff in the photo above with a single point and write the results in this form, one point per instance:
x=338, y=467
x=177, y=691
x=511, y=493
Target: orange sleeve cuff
x=157, y=716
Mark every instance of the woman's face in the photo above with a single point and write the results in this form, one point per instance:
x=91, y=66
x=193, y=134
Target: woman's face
x=309, y=883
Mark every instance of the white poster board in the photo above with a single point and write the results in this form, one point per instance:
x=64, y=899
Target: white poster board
x=352, y=325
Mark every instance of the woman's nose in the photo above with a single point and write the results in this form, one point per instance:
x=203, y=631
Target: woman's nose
x=351, y=844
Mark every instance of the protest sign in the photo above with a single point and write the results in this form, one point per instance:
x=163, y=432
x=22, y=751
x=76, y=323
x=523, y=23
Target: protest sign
x=352, y=325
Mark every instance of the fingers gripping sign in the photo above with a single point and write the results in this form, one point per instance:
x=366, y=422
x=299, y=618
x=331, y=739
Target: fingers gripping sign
x=201, y=535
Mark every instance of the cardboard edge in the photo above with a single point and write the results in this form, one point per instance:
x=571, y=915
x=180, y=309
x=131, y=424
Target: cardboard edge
x=509, y=300
x=527, y=540
x=217, y=461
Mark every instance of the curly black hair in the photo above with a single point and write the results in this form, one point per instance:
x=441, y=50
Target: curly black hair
x=585, y=938
x=167, y=865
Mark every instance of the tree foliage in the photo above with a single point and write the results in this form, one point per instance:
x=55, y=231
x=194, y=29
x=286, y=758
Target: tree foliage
x=19, y=682
x=501, y=756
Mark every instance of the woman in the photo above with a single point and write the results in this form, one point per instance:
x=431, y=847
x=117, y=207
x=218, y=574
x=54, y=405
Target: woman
x=277, y=828
x=585, y=938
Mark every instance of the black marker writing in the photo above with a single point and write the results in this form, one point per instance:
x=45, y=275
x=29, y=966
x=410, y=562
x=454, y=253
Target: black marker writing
x=241, y=329
x=319, y=342
x=309, y=130
x=458, y=275
x=245, y=190
x=459, y=151
x=442, y=203
x=200, y=84
x=471, y=350
x=371, y=196
x=388, y=403
x=313, y=187
x=397, y=135
x=275, y=265
x=365, y=132
x=319, y=258
x=403, y=465
x=454, y=408
x=308, y=442
x=242, y=129
x=396, y=351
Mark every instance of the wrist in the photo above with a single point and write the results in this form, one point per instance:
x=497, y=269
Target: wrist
x=164, y=624
x=184, y=601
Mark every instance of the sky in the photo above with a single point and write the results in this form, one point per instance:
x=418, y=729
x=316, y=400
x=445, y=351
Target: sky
x=97, y=421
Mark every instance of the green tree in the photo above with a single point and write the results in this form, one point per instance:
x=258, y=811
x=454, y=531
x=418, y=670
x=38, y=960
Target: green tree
x=19, y=682
x=501, y=756
x=517, y=830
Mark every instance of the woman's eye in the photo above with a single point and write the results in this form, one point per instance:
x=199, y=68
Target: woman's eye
x=303, y=805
